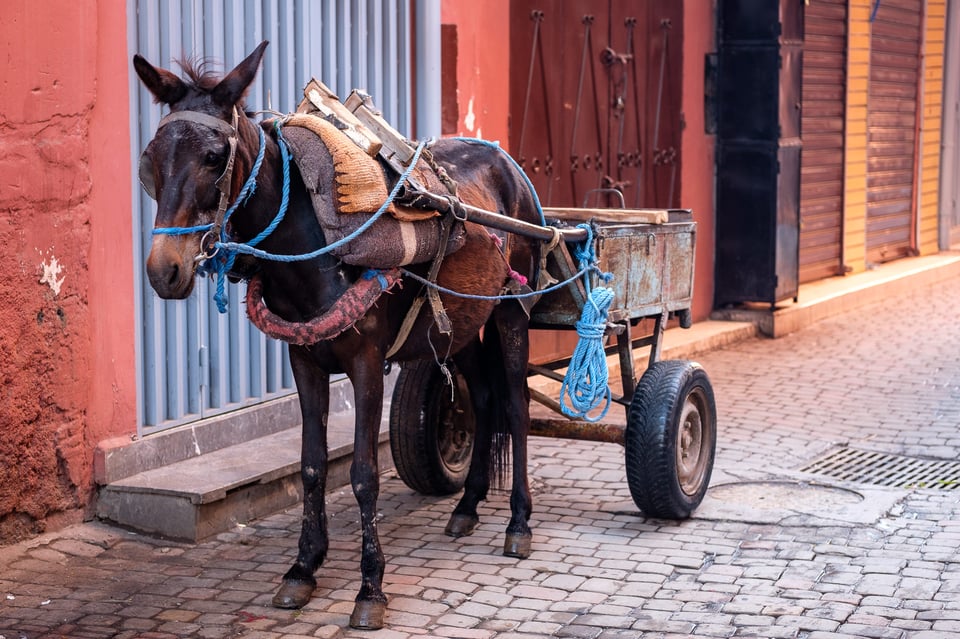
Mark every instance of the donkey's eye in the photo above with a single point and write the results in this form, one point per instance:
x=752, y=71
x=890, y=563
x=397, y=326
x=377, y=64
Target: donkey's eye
x=213, y=159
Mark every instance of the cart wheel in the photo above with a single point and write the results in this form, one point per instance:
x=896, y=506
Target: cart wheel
x=671, y=438
x=431, y=436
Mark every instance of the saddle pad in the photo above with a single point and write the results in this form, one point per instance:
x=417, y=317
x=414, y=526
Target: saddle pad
x=360, y=188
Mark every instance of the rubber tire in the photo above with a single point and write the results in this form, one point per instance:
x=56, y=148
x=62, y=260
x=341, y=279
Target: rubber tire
x=660, y=484
x=431, y=438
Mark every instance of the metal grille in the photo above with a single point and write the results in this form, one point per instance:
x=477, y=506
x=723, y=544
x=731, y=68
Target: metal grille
x=884, y=469
x=195, y=362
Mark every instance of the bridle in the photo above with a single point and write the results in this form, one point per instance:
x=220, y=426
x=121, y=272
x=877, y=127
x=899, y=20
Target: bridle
x=211, y=259
x=224, y=183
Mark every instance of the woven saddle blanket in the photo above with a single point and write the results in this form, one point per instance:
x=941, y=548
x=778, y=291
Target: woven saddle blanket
x=401, y=235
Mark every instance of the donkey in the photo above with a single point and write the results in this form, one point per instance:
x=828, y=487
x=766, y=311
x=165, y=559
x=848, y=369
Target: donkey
x=194, y=166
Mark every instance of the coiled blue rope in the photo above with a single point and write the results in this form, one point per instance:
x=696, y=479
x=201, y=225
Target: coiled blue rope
x=586, y=382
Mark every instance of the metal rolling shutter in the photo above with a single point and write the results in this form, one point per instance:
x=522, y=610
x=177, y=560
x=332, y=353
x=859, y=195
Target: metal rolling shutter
x=821, y=172
x=891, y=128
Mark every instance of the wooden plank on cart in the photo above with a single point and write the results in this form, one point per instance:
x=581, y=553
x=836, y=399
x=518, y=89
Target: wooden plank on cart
x=616, y=216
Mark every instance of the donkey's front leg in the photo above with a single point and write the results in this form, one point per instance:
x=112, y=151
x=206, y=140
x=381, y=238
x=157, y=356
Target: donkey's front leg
x=366, y=374
x=314, y=388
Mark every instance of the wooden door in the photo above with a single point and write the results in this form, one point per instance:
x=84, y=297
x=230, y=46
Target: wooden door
x=595, y=108
x=595, y=99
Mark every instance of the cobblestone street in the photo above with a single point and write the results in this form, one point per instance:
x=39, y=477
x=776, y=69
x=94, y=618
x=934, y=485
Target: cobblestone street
x=773, y=552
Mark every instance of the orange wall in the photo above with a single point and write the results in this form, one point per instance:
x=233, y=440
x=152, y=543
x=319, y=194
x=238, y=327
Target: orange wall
x=697, y=149
x=931, y=112
x=483, y=66
x=66, y=324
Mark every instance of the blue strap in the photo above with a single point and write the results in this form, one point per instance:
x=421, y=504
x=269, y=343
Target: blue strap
x=181, y=230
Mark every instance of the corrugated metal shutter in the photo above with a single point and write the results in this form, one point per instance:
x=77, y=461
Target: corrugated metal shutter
x=196, y=362
x=891, y=128
x=821, y=172
x=950, y=154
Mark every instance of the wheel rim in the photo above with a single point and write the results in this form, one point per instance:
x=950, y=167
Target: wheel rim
x=693, y=442
x=454, y=429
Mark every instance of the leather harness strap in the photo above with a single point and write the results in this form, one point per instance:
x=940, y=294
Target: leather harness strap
x=443, y=322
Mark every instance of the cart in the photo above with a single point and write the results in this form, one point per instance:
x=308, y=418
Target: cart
x=670, y=430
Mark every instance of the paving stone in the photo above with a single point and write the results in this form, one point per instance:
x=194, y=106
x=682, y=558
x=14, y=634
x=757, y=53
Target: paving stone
x=599, y=569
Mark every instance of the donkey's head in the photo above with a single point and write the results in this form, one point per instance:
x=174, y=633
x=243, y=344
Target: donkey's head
x=188, y=167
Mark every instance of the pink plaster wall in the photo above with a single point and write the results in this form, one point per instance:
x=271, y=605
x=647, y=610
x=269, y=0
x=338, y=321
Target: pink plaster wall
x=66, y=323
x=697, y=149
x=483, y=66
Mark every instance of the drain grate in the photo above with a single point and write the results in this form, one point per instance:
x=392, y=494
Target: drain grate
x=884, y=469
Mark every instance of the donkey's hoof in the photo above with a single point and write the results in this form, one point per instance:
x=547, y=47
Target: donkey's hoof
x=293, y=593
x=368, y=615
x=461, y=525
x=517, y=545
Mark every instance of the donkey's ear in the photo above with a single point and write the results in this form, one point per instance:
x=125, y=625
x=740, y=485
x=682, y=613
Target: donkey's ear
x=165, y=86
x=234, y=85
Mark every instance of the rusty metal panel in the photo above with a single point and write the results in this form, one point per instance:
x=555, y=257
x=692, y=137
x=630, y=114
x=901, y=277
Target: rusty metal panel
x=892, y=113
x=652, y=267
x=822, y=126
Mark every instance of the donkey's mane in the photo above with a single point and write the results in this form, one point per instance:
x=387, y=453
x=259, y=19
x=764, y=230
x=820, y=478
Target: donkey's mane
x=200, y=72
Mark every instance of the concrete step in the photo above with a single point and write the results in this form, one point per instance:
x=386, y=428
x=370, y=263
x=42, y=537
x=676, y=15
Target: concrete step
x=825, y=298
x=202, y=496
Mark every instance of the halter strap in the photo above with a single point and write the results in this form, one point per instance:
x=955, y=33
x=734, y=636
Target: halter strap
x=201, y=118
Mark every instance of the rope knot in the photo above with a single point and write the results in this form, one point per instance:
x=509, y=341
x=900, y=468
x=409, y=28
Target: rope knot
x=377, y=274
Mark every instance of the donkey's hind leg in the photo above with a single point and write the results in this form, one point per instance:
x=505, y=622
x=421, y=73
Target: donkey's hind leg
x=464, y=519
x=513, y=340
x=498, y=386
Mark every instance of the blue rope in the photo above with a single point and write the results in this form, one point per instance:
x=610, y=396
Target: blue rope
x=247, y=249
x=371, y=273
x=181, y=230
x=586, y=382
x=224, y=261
x=526, y=179
x=497, y=298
